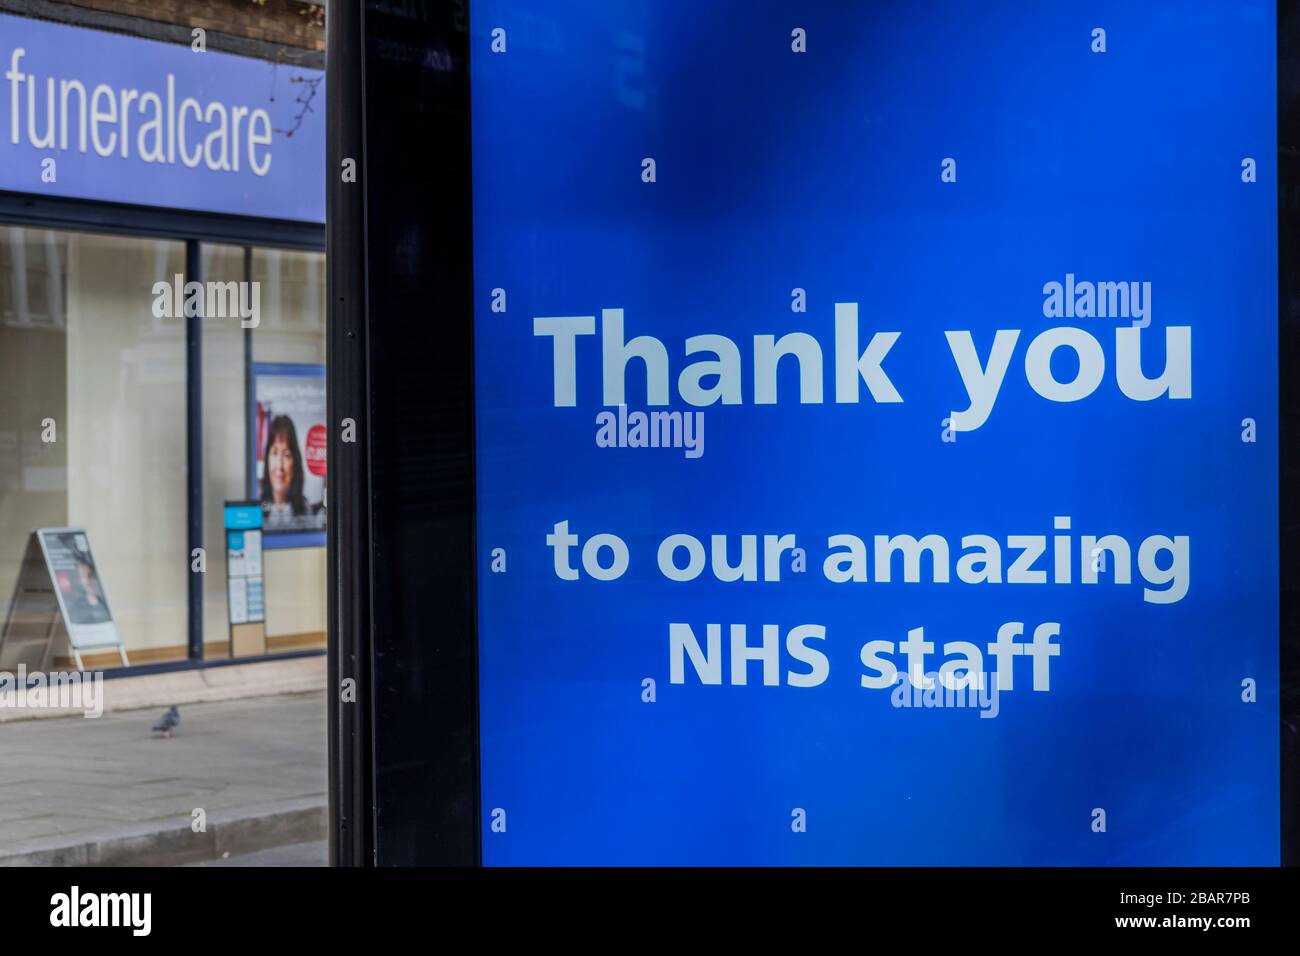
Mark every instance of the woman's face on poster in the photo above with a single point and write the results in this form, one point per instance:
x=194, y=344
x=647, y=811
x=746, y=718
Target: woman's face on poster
x=88, y=583
x=279, y=466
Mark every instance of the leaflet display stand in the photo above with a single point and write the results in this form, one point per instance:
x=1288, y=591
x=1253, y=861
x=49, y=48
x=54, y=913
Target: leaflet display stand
x=245, y=587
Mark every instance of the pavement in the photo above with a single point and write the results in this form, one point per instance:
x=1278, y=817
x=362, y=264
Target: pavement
x=295, y=854
x=107, y=791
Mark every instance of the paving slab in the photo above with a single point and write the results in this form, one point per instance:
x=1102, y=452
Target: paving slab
x=108, y=791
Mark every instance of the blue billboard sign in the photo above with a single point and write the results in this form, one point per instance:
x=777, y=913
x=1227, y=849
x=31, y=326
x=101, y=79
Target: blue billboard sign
x=94, y=115
x=876, y=421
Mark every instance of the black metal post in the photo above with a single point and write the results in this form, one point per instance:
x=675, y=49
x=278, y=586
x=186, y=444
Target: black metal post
x=194, y=453
x=248, y=373
x=351, y=776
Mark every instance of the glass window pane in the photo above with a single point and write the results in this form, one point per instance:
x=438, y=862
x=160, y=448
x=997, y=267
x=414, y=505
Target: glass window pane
x=33, y=389
x=291, y=330
x=125, y=435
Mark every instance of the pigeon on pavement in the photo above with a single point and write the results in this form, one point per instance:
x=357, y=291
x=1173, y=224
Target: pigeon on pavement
x=167, y=723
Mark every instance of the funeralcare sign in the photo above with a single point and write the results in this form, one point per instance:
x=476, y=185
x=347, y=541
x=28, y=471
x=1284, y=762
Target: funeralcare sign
x=101, y=116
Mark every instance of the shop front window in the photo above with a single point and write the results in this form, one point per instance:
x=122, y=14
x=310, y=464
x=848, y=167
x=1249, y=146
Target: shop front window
x=95, y=383
x=93, y=397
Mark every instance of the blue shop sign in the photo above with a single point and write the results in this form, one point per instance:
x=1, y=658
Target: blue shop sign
x=93, y=115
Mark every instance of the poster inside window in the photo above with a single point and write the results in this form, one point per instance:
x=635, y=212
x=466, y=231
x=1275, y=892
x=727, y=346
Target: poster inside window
x=288, y=456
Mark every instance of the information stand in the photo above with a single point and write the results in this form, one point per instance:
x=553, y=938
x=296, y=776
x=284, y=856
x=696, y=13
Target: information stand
x=245, y=586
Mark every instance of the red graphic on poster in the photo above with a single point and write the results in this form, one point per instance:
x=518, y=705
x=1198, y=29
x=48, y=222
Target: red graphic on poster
x=315, y=450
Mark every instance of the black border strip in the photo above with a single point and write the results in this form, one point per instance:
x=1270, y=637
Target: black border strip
x=1288, y=422
x=405, y=754
x=351, y=793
